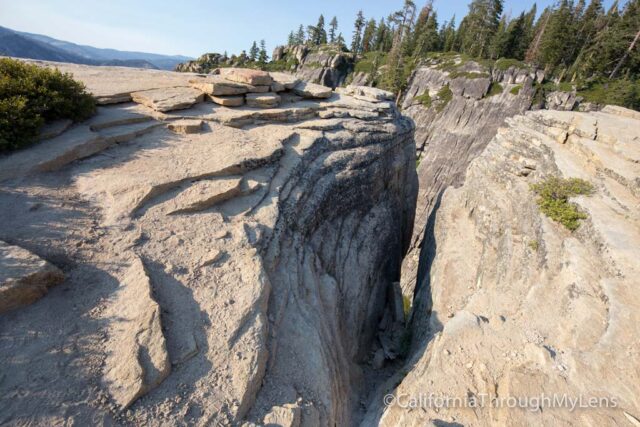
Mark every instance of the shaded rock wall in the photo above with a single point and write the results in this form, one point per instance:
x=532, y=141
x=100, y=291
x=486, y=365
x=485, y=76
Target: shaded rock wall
x=450, y=134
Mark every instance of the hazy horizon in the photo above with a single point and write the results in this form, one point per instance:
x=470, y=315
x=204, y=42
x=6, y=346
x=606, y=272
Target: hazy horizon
x=194, y=27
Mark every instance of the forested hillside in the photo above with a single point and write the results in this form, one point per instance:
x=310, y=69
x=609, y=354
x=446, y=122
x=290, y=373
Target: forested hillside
x=580, y=46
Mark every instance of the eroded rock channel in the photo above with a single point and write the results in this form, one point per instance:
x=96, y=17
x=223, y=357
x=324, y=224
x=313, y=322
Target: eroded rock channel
x=238, y=273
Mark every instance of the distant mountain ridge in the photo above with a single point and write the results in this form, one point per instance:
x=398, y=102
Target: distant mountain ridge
x=36, y=46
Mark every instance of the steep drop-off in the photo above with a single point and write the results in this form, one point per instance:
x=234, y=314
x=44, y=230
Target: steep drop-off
x=513, y=305
x=236, y=272
x=456, y=106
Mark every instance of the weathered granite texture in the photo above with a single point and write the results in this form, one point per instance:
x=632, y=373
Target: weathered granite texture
x=236, y=273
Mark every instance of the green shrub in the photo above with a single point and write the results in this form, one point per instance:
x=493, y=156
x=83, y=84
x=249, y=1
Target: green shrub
x=622, y=92
x=504, y=64
x=444, y=96
x=370, y=61
x=406, y=307
x=424, y=99
x=553, y=199
x=31, y=95
x=468, y=75
x=495, y=89
x=515, y=90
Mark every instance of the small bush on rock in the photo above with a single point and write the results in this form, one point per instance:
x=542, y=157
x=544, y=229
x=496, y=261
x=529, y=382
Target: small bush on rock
x=554, y=202
x=444, y=97
x=32, y=95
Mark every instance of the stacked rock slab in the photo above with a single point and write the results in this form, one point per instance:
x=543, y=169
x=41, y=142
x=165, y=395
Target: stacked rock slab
x=233, y=87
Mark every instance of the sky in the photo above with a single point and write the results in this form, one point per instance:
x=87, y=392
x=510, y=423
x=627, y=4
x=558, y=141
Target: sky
x=193, y=27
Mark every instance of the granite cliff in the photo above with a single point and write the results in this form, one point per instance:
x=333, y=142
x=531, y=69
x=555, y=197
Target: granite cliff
x=250, y=248
x=205, y=264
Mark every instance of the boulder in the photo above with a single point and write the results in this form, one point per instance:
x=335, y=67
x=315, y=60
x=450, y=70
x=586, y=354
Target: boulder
x=168, y=99
x=186, y=126
x=266, y=100
x=218, y=86
x=227, y=101
x=24, y=277
x=247, y=75
x=369, y=93
x=312, y=90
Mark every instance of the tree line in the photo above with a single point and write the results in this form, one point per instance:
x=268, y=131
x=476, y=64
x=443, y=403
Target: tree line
x=571, y=40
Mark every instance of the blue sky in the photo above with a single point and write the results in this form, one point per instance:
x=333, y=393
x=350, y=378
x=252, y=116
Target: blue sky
x=192, y=27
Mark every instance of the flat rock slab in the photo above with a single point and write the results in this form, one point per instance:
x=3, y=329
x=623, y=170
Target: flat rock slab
x=312, y=90
x=24, y=277
x=205, y=194
x=137, y=360
x=368, y=93
x=168, y=99
x=218, y=86
x=266, y=100
x=116, y=115
x=115, y=84
x=288, y=81
x=186, y=126
x=247, y=75
x=227, y=101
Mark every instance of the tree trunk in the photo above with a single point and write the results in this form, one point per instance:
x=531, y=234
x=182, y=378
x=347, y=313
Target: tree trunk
x=625, y=56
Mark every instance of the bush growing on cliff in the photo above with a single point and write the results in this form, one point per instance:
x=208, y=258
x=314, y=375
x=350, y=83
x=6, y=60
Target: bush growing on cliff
x=553, y=200
x=515, y=90
x=444, y=96
x=495, y=89
x=32, y=95
x=424, y=99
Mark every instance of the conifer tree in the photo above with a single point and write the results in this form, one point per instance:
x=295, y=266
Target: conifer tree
x=262, y=56
x=253, y=52
x=356, y=41
x=368, y=38
x=449, y=35
x=300, y=35
x=333, y=27
x=320, y=33
x=380, y=35
x=291, y=40
x=555, y=46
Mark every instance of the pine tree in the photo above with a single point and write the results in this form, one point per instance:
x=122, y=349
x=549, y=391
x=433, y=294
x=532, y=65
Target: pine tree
x=428, y=39
x=418, y=36
x=356, y=41
x=262, y=56
x=340, y=41
x=333, y=27
x=380, y=35
x=300, y=35
x=620, y=54
x=587, y=28
x=394, y=78
x=320, y=35
x=449, y=35
x=291, y=40
x=555, y=46
x=500, y=40
x=533, y=52
x=368, y=38
x=253, y=52
x=478, y=28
